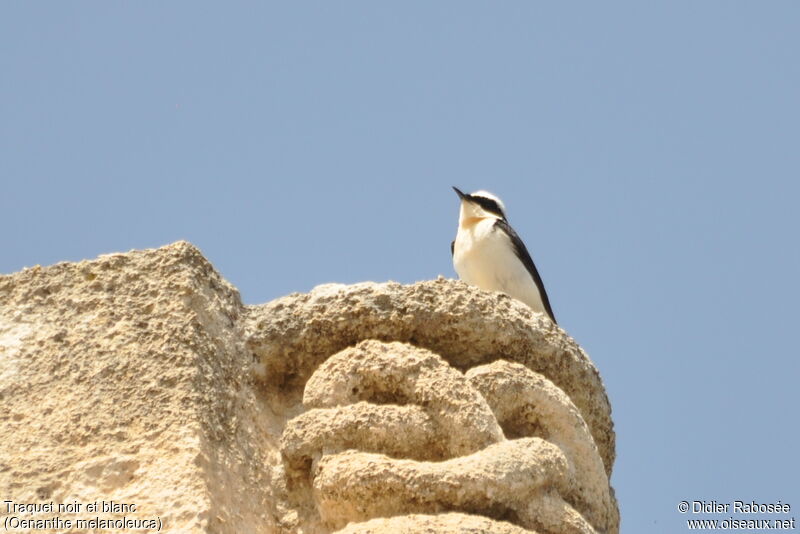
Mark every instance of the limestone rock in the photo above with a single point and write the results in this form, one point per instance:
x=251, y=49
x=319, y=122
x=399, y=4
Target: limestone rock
x=373, y=408
x=527, y=403
x=519, y=479
x=125, y=378
x=397, y=373
x=447, y=523
x=293, y=335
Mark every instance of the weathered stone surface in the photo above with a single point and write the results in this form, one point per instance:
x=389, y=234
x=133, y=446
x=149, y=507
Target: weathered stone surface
x=293, y=335
x=519, y=479
x=434, y=407
x=125, y=378
x=528, y=404
x=448, y=523
x=397, y=373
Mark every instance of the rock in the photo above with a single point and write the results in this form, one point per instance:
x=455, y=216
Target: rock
x=142, y=379
x=293, y=335
x=519, y=479
x=125, y=379
x=397, y=373
x=525, y=404
x=447, y=523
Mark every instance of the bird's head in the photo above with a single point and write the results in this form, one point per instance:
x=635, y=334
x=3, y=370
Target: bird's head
x=479, y=205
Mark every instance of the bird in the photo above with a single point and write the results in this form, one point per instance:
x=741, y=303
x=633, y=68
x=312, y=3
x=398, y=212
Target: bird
x=489, y=254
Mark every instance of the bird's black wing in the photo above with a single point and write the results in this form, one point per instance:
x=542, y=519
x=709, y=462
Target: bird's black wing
x=525, y=257
x=453, y=248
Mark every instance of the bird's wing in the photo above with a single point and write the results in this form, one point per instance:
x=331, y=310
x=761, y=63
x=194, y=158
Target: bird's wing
x=525, y=257
x=453, y=248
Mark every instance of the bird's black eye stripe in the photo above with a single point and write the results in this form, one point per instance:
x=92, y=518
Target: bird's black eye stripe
x=489, y=205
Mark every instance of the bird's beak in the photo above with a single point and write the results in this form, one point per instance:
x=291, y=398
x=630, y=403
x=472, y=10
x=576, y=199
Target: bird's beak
x=461, y=195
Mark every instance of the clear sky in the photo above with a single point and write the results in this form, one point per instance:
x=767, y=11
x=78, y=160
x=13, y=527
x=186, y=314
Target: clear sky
x=647, y=152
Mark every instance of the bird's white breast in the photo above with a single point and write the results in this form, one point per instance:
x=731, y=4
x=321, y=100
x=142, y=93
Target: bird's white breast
x=484, y=256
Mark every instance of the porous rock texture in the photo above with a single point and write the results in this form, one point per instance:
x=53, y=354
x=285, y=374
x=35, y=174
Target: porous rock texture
x=372, y=408
x=125, y=378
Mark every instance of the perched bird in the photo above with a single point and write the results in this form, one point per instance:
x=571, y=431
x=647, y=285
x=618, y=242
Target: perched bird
x=489, y=254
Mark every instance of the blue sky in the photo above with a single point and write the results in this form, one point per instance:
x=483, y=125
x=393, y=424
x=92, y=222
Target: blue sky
x=648, y=154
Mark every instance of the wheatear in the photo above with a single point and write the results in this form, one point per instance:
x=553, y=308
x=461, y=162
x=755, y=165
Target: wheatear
x=489, y=254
